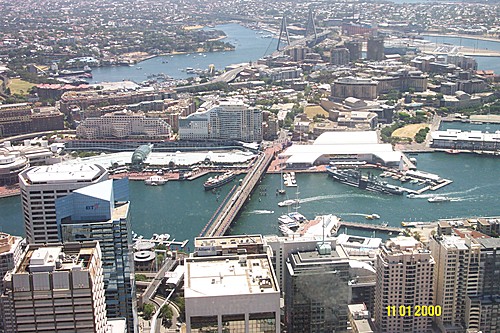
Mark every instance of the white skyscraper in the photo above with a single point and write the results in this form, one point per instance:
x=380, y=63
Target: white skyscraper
x=41, y=186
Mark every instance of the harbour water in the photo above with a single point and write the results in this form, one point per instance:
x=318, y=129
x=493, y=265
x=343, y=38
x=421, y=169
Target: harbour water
x=183, y=208
x=250, y=46
x=485, y=63
x=474, y=192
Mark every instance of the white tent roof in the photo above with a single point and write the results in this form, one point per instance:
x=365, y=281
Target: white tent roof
x=307, y=154
x=344, y=138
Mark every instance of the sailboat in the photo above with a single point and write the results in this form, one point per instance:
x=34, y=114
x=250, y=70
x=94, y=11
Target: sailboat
x=281, y=191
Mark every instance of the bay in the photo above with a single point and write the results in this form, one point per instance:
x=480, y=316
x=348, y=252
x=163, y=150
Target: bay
x=182, y=209
x=483, y=62
x=249, y=46
x=474, y=192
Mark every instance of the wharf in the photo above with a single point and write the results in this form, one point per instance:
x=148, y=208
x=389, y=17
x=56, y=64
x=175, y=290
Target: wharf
x=368, y=226
x=9, y=191
x=167, y=243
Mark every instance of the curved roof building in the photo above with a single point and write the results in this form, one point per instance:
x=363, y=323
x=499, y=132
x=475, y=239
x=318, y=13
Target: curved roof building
x=141, y=153
x=358, y=145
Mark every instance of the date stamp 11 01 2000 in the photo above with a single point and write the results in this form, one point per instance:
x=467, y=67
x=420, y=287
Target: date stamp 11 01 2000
x=414, y=311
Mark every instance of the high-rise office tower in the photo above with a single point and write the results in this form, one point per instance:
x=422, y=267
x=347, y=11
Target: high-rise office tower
x=56, y=288
x=354, y=47
x=404, y=283
x=456, y=276
x=101, y=212
x=375, y=48
x=467, y=282
x=41, y=186
x=317, y=290
x=10, y=252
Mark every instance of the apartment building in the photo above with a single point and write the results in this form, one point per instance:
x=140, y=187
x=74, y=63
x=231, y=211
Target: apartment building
x=404, y=279
x=123, y=124
x=226, y=120
x=466, y=282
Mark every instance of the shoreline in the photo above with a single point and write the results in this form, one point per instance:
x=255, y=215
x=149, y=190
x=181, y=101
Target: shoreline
x=473, y=37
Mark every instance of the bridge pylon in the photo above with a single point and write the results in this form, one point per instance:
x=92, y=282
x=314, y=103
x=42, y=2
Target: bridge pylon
x=283, y=33
x=311, y=26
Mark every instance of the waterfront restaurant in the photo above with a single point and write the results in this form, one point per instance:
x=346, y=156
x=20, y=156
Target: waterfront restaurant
x=359, y=146
x=474, y=140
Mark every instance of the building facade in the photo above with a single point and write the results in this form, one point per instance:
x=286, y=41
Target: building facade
x=123, y=124
x=56, y=288
x=467, y=282
x=15, y=119
x=227, y=120
x=20, y=118
x=101, y=212
x=310, y=306
x=10, y=253
x=41, y=186
x=375, y=48
x=236, y=293
x=404, y=279
x=354, y=87
x=473, y=140
x=339, y=56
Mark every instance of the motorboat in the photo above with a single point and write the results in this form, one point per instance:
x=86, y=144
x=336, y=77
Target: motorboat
x=439, y=199
x=287, y=202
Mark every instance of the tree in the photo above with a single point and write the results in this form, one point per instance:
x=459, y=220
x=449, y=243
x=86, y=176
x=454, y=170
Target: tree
x=141, y=277
x=166, y=314
x=148, y=311
x=179, y=301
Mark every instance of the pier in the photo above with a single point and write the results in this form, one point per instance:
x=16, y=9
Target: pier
x=368, y=226
x=235, y=200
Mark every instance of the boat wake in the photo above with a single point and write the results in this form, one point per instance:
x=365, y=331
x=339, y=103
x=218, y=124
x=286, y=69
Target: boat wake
x=261, y=212
x=354, y=214
x=338, y=196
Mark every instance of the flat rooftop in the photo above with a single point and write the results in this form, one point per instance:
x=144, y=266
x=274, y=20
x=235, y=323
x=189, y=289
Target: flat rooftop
x=227, y=276
x=63, y=173
x=228, y=241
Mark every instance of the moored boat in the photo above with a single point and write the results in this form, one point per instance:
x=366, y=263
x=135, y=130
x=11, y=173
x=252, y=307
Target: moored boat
x=368, y=182
x=217, y=181
x=155, y=181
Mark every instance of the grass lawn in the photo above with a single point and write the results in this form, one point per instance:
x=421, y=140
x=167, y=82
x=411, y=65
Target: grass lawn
x=408, y=131
x=311, y=111
x=18, y=86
